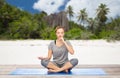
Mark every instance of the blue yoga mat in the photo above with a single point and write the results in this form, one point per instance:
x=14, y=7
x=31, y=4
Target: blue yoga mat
x=87, y=71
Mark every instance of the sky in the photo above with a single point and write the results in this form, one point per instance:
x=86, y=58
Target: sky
x=26, y=5
x=55, y=6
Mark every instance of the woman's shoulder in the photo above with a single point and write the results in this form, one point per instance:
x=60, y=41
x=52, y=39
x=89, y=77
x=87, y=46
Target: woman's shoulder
x=52, y=42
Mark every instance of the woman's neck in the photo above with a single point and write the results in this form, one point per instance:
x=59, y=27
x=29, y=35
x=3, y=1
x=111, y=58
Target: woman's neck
x=59, y=40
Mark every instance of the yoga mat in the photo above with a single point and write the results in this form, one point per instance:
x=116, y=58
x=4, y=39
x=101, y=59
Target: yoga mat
x=87, y=71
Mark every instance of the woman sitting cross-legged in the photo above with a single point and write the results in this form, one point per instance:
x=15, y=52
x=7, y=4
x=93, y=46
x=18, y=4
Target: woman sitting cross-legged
x=59, y=49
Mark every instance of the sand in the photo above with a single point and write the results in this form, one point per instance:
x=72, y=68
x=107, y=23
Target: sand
x=20, y=52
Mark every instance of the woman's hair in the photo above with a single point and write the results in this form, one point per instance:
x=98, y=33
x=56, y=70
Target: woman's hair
x=58, y=27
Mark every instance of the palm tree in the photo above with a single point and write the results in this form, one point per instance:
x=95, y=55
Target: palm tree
x=91, y=22
x=102, y=11
x=70, y=12
x=82, y=17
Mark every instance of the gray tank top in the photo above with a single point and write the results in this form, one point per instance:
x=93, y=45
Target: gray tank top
x=60, y=54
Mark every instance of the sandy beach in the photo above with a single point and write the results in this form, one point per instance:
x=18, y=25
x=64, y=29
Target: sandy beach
x=20, y=52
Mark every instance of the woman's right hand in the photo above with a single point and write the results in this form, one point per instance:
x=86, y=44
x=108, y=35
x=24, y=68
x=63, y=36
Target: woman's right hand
x=41, y=58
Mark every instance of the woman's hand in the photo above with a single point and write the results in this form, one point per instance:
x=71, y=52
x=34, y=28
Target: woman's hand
x=62, y=39
x=48, y=57
x=41, y=58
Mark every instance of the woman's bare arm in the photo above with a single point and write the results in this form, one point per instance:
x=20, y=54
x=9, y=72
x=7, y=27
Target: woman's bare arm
x=70, y=49
x=48, y=57
x=49, y=54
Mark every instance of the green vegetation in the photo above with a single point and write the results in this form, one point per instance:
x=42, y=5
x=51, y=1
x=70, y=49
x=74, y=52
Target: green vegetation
x=19, y=24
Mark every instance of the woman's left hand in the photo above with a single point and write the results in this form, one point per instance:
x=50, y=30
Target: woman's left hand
x=63, y=40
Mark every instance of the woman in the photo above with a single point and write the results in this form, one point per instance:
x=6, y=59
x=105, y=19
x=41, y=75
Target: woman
x=59, y=49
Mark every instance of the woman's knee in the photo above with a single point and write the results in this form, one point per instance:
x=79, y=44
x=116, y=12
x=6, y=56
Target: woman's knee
x=74, y=61
x=44, y=62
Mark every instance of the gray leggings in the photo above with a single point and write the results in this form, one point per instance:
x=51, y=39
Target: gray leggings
x=74, y=62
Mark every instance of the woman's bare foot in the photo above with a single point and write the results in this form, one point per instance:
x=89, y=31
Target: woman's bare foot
x=66, y=71
x=58, y=70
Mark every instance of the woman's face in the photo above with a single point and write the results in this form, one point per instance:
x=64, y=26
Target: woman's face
x=60, y=33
